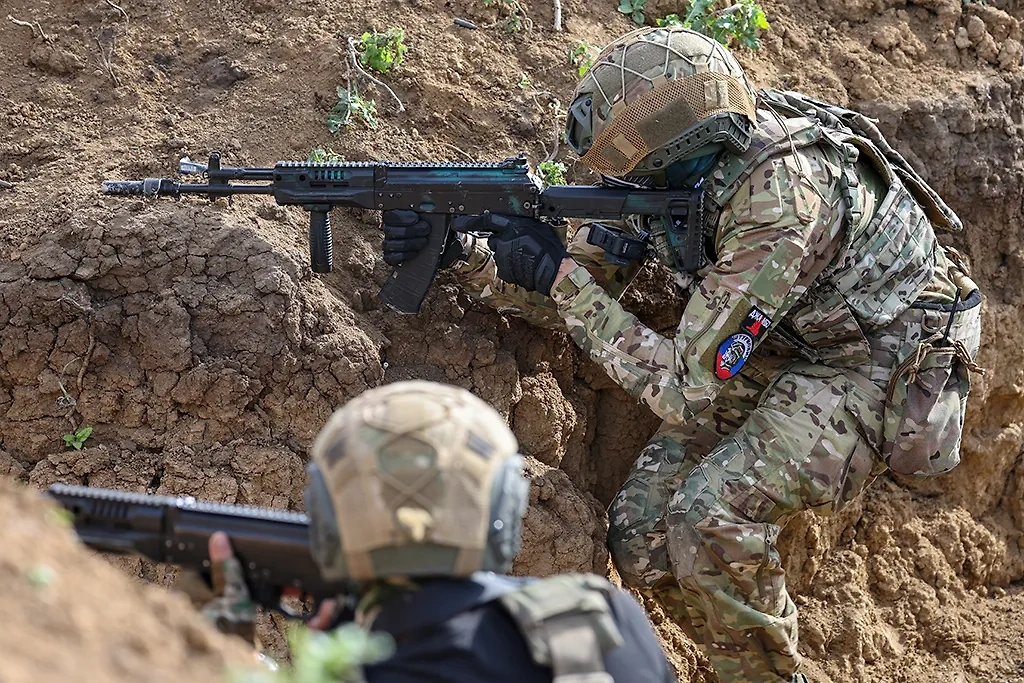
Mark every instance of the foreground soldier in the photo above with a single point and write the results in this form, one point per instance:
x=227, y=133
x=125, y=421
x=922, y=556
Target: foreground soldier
x=827, y=335
x=416, y=493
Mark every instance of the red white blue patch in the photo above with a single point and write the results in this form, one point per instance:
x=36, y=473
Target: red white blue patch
x=732, y=354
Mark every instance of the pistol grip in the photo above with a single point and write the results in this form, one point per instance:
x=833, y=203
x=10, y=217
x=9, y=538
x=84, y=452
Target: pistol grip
x=409, y=283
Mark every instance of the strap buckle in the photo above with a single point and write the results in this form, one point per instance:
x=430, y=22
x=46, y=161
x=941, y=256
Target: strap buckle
x=619, y=248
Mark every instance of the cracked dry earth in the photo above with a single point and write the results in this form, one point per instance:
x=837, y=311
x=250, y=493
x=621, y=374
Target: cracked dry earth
x=196, y=341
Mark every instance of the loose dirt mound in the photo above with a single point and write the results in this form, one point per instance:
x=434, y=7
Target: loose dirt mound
x=205, y=353
x=68, y=615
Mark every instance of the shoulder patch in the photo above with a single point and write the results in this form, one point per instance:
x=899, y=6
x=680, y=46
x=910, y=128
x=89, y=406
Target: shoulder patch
x=733, y=354
x=756, y=323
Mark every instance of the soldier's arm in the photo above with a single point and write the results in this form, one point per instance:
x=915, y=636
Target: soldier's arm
x=774, y=239
x=479, y=277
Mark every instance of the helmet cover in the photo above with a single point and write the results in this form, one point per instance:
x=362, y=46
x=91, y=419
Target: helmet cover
x=658, y=95
x=415, y=479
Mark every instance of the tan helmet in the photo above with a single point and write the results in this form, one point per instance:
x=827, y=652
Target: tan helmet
x=415, y=479
x=656, y=96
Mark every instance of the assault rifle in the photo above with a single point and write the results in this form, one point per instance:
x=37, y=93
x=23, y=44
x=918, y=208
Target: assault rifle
x=271, y=545
x=441, y=192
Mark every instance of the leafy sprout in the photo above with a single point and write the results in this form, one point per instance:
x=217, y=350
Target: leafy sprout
x=515, y=15
x=634, y=9
x=579, y=56
x=552, y=173
x=351, y=108
x=319, y=657
x=382, y=52
x=77, y=438
x=320, y=155
x=740, y=22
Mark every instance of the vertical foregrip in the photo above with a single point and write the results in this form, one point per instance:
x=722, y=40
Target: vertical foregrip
x=321, y=242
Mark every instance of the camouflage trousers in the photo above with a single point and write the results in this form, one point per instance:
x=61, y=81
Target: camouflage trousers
x=695, y=524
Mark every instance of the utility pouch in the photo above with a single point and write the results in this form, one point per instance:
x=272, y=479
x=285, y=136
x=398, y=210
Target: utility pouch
x=927, y=394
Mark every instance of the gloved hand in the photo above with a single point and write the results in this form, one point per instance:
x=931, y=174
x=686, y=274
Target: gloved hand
x=527, y=252
x=405, y=236
x=231, y=609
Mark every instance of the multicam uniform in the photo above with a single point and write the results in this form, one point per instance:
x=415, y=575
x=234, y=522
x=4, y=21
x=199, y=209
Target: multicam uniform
x=774, y=388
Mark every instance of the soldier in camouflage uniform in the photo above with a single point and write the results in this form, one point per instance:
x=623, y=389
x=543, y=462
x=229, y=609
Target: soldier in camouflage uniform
x=827, y=336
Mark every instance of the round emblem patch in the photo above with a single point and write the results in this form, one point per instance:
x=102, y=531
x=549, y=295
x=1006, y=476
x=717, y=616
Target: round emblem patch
x=732, y=354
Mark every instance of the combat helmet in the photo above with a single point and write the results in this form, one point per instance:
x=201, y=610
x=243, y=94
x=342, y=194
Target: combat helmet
x=656, y=96
x=415, y=479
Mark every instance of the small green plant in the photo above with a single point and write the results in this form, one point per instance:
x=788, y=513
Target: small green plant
x=515, y=19
x=319, y=657
x=320, y=156
x=351, y=107
x=740, y=22
x=40, y=575
x=580, y=57
x=524, y=81
x=382, y=52
x=634, y=9
x=552, y=173
x=671, y=20
x=78, y=438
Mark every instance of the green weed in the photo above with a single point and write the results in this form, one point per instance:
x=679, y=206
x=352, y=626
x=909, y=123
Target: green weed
x=515, y=15
x=351, y=107
x=552, y=173
x=382, y=52
x=739, y=23
x=634, y=9
x=580, y=57
x=78, y=438
x=319, y=657
x=320, y=156
x=40, y=575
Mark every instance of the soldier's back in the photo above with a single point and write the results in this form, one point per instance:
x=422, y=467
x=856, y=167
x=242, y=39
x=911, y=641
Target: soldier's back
x=459, y=631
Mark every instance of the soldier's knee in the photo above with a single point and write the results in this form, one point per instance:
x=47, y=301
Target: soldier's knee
x=693, y=516
x=640, y=558
x=637, y=544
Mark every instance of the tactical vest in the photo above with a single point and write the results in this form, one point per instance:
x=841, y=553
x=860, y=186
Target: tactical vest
x=886, y=259
x=567, y=623
x=565, y=620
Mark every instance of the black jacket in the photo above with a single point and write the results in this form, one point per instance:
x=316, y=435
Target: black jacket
x=455, y=630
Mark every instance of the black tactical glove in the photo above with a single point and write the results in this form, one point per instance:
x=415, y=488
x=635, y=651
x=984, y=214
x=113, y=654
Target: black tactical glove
x=405, y=236
x=527, y=252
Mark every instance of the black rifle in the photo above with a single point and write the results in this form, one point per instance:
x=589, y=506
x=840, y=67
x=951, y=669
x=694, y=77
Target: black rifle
x=440, y=191
x=271, y=545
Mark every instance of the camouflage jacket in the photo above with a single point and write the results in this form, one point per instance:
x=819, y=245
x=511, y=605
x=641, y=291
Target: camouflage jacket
x=800, y=250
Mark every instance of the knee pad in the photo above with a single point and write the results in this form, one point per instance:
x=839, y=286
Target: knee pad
x=637, y=545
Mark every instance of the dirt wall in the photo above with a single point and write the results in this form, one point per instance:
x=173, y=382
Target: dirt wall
x=206, y=354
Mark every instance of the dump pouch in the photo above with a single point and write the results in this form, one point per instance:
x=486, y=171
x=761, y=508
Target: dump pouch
x=927, y=394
